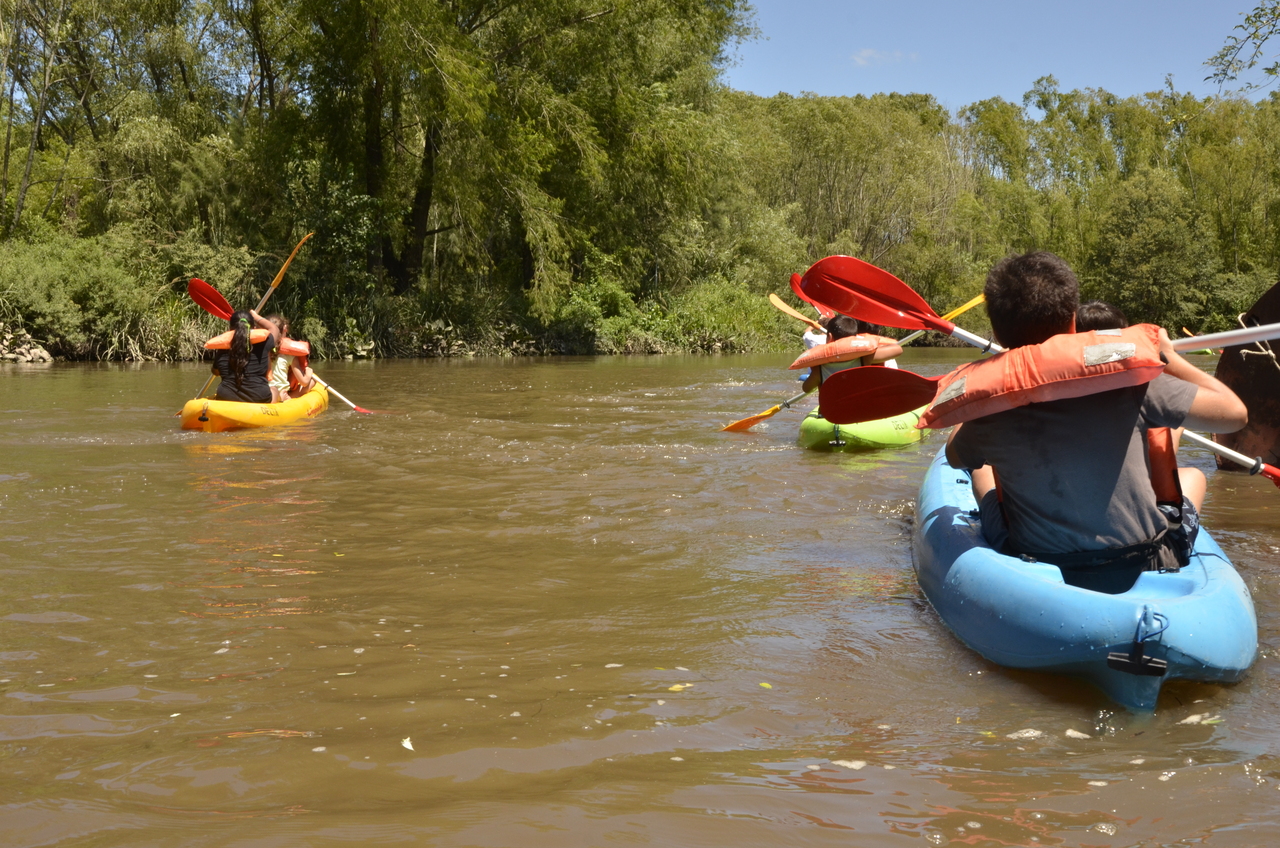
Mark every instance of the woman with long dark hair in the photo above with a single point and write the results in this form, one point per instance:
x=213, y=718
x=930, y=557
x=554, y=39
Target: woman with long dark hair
x=245, y=362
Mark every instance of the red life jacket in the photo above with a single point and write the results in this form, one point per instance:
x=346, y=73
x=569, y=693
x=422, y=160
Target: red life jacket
x=1068, y=365
x=223, y=342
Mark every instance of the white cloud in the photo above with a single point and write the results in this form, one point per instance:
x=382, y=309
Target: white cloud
x=868, y=57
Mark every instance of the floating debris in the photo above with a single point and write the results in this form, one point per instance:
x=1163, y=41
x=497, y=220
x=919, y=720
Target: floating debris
x=279, y=734
x=767, y=685
x=661, y=702
x=406, y=743
x=515, y=715
x=1025, y=733
x=679, y=687
x=856, y=765
x=222, y=650
x=1105, y=827
x=1192, y=719
x=677, y=759
x=1137, y=762
x=359, y=650
x=318, y=749
x=812, y=767
x=606, y=665
x=1166, y=775
x=1097, y=783
x=681, y=668
x=1072, y=733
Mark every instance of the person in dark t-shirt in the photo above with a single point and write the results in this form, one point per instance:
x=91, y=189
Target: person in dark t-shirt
x=1074, y=486
x=244, y=365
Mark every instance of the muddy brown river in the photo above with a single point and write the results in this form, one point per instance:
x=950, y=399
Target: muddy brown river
x=546, y=603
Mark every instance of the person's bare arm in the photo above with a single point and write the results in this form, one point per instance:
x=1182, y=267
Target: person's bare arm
x=1215, y=408
x=883, y=353
x=264, y=324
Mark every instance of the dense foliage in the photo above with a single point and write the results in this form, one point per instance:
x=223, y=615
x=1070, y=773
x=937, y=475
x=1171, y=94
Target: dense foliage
x=566, y=175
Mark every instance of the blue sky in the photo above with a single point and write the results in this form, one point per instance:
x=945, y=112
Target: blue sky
x=962, y=51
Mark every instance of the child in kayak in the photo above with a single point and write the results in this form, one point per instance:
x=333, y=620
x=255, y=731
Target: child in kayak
x=842, y=326
x=243, y=361
x=290, y=374
x=1066, y=481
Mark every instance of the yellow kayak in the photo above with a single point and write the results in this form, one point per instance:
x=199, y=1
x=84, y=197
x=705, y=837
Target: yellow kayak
x=214, y=416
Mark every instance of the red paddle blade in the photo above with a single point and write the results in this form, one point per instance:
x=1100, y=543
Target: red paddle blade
x=208, y=298
x=823, y=310
x=872, y=294
x=1271, y=473
x=870, y=393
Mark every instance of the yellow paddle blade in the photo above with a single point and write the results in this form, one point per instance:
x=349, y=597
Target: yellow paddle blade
x=782, y=307
x=960, y=310
x=748, y=423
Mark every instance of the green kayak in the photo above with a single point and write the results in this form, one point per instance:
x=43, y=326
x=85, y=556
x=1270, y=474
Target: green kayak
x=818, y=433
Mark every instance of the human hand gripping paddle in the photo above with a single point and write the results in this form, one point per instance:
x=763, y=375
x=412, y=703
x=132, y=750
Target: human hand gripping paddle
x=748, y=423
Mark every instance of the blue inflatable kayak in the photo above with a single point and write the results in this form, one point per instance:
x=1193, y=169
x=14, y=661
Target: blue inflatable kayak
x=1197, y=623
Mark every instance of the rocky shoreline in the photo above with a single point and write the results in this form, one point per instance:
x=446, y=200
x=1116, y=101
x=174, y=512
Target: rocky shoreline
x=16, y=345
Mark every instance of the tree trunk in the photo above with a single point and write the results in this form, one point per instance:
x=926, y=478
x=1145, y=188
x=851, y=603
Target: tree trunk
x=49, y=35
x=420, y=212
x=373, y=138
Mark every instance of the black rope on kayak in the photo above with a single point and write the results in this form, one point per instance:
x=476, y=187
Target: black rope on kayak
x=204, y=413
x=837, y=442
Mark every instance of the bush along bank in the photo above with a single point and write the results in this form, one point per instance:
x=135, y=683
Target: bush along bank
x=16, y=345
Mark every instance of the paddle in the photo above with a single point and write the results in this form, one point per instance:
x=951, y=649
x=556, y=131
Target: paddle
x=212, y=301
x=825, y=311
x=1254, y=464
x=261, y=303
x=782, y=307
x=869, y=394
x=209, y=299
x=748, y=423
x=340, y=397
x=959, y=310
x=863, y=291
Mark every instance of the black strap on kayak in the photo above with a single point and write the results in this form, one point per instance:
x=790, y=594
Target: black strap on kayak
x=1136, y=661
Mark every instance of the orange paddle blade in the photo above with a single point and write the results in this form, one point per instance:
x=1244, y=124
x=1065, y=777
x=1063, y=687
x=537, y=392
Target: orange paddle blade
x=748, y=423
x=872, y=392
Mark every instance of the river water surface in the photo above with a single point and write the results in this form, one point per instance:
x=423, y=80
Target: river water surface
x=547, y=603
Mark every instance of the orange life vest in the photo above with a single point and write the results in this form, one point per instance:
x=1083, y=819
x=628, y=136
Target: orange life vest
x=1068, y=365
x=223, y=342
x=840, y=350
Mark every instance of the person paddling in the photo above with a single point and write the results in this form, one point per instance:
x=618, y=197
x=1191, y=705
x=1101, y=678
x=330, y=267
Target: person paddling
x=290, y=375
x=841, y=327
x=242, y=357
x=1066, y=481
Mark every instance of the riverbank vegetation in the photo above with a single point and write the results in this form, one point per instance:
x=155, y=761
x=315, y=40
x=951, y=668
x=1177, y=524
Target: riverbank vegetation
x=562, y=176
